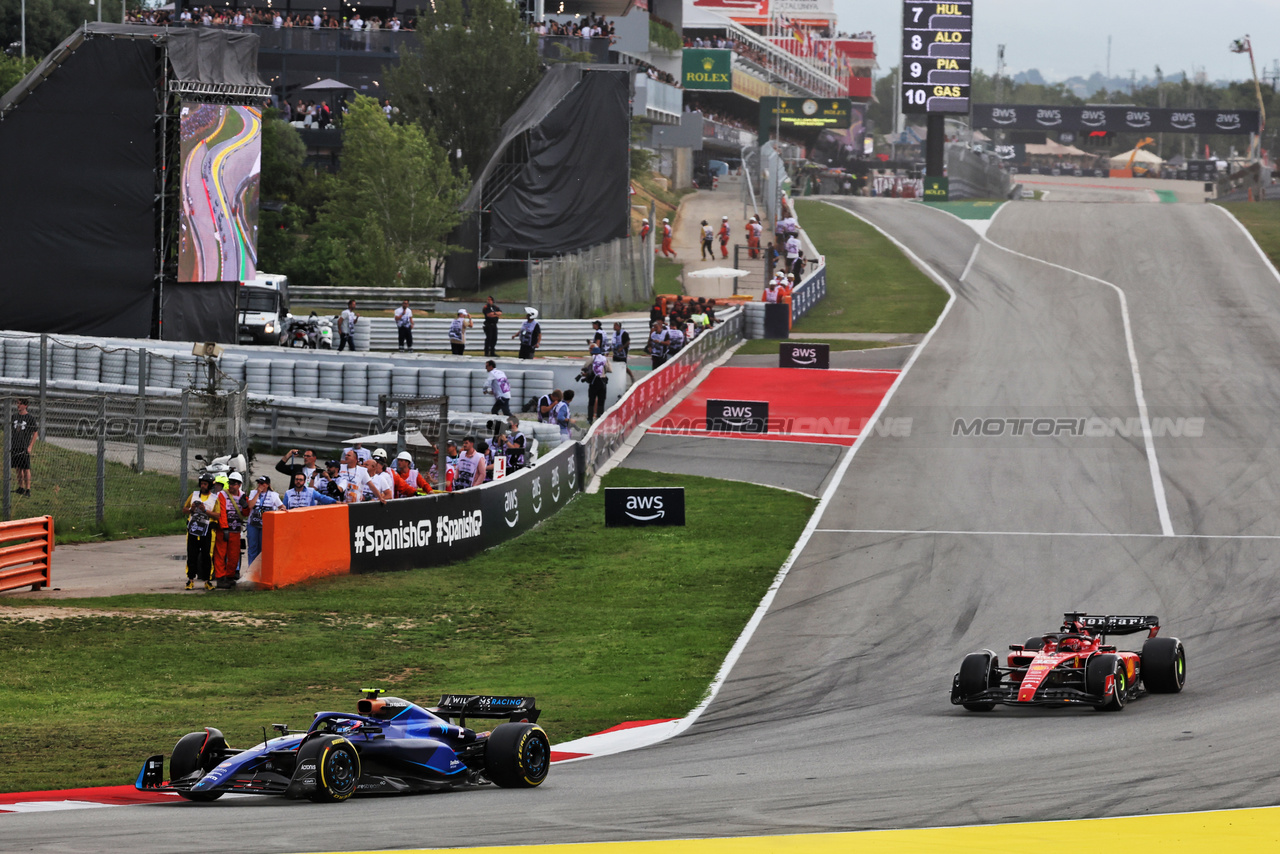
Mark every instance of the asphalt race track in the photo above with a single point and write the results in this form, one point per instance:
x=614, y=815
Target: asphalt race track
x=836, y=716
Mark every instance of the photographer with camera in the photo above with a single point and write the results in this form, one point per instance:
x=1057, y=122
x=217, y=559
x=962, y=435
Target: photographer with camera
x=595, y=373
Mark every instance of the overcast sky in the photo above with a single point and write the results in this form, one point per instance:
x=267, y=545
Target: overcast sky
x=1068, y=39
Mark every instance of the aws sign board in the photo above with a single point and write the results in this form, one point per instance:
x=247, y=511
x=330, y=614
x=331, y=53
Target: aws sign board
x=738, y=416
x=661, y=505
x=799, y=355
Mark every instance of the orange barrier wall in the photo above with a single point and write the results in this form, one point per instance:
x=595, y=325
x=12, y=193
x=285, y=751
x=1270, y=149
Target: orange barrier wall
x=26, y=563
x=310, y=542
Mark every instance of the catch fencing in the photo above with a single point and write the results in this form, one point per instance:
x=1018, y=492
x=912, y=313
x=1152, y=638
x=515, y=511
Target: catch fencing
x=595, y=280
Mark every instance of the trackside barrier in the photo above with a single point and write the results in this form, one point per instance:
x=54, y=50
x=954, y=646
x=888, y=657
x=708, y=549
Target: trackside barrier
x=26, y=551
x=430, y=530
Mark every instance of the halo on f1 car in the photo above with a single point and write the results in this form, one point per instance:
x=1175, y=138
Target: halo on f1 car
x=389, y=745
x=1074, y=665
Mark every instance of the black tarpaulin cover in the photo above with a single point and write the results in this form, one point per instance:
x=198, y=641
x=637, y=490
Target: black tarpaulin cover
x=200, y=311
x=214, y=56
x=77, y=227
x=573, y=192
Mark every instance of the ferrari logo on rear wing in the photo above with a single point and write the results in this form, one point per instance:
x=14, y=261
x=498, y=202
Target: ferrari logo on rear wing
x=1120, y=625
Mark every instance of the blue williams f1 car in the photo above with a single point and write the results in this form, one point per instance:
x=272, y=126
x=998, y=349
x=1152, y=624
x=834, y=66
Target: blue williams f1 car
x=389, y=746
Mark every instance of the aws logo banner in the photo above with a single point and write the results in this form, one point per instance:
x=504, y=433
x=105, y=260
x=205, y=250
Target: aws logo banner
x=738, y=416
x=798, y=355
x=659, y=505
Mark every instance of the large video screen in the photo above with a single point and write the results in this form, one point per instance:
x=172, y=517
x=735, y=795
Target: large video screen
x=221, y=167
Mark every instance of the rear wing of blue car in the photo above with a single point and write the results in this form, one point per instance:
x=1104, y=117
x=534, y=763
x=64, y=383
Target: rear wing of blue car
x=463, y=706
x=1119, y=625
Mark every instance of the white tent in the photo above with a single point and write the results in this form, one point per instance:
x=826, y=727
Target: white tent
x=1120, y=161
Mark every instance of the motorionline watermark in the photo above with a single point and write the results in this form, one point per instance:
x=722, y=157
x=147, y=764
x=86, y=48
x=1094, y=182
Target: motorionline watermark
x=798, y=425
x=156, y=427
x=1091, y=427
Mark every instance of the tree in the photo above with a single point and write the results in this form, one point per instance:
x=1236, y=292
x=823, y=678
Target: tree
x=13, y=69
x=50, y=21
x=469, y=71
x=394, y=204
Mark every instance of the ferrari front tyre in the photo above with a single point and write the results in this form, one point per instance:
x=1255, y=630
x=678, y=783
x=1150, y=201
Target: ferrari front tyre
x=1164, y=665
x=977, y=674
x=336, y=765
x=517, y=755
x=192, y=754
x=1099, y=670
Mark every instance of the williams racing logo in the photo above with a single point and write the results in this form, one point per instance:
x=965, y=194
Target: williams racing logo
x=374, y=540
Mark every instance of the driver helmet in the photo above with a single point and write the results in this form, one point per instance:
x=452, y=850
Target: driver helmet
x=1070, y=644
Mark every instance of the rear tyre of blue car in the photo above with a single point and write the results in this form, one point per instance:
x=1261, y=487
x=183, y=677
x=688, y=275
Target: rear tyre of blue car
x=1164, y=665
x=336, y=765
x=1095, y=677
x=517, y=756
x=977, y=674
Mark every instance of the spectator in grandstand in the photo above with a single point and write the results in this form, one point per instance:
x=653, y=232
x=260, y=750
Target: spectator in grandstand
x=515, y=445
x=22, y=438
x=413, y=481
x=301, y=495
x=260, y=501
x=291, y=463
x=205, y=514
x=561, y=418
x=499, y=386
x=470, y=469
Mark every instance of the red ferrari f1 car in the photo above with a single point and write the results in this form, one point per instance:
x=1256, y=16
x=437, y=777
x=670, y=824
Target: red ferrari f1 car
x=1074, y=665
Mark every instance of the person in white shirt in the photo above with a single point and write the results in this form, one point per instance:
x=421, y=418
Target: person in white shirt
x=352, y=477
x=403, y=314
x=316, y=21
x=470, y=468
x=458, y=332
x=382, y=486
x=261, y=500
x=499, y=386
x=347, y=326
x=277, y=22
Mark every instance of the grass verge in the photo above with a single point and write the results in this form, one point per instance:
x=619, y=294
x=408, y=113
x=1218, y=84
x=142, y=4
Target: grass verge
x=871, y=285
x=1262, y=219
x=602, y=625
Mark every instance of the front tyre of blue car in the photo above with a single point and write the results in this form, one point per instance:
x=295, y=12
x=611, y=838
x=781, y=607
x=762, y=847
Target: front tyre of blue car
x=336, y=765
x=517, y=755
x=192, y=754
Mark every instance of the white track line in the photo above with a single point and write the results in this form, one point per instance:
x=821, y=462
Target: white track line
x=973, y=257
x=1153, y=465
x=765, y=603
x=897, y=532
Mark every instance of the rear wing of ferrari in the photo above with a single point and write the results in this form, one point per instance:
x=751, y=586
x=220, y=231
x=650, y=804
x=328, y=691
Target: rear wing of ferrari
x=1120, y=625
x=463, y=706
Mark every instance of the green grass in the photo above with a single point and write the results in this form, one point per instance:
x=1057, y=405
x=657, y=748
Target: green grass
x=666, y=277
x=602, y=625
x=64, y=486
x=871, y=286
x=1262, y=219
x=769, y=347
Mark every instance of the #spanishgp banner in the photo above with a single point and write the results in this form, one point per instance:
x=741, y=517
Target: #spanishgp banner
x=412, y=532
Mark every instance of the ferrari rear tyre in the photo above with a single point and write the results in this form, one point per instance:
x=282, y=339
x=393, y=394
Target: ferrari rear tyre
x=336, y=764
x=1099, y=668
x=1164, y=665
x=977, y=674
x=192, y=754
x=517, y=756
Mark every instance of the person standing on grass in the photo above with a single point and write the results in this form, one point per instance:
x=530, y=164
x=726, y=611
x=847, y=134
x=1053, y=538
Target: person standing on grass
x=22, y=438
x=404, y=326
x=260, y=501
x=205, y=512
x=491, y=315
x=226, y=551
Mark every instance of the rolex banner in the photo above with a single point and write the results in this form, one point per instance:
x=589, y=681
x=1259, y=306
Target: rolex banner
x=708, y=69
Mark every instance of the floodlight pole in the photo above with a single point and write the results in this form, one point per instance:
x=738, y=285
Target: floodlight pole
x=24, y=29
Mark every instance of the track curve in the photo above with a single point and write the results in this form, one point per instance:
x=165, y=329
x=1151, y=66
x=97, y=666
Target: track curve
x=935, y=544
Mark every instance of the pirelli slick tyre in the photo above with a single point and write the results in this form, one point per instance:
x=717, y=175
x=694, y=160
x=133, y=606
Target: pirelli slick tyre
x=517, y=756
x=1164, y=665
x=335, y=762
x=977, y=674
x=1095, y=680
x=196, y=751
